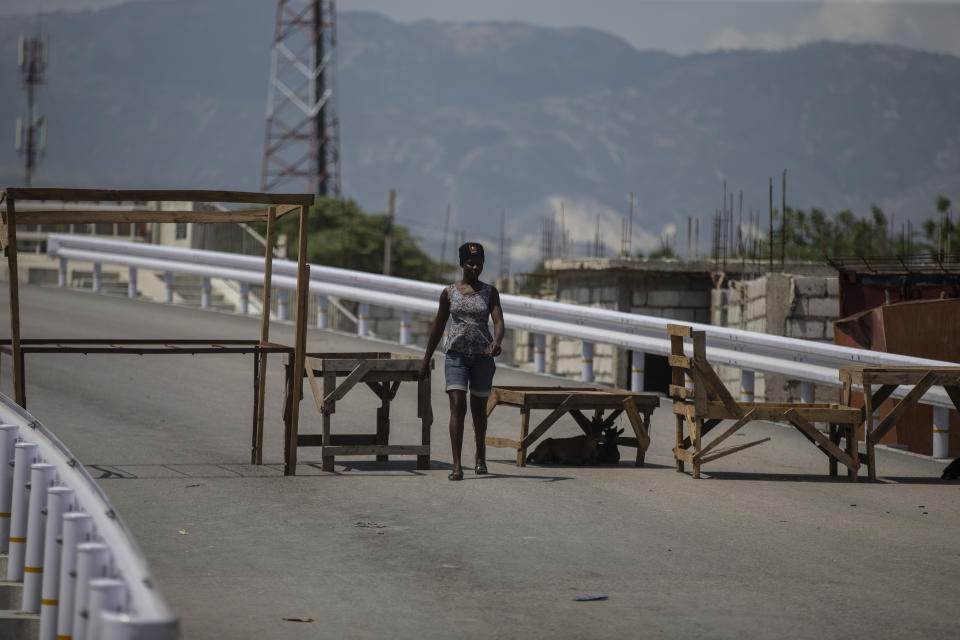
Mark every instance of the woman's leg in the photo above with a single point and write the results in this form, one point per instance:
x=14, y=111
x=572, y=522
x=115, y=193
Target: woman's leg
x=458, y=411
x=478, y=408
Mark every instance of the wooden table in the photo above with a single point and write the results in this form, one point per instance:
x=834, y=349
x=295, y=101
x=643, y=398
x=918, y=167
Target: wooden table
x=574, y=400
x=889, y=378
x=382, y=373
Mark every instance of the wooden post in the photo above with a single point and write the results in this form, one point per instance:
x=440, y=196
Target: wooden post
x=383, y=418
x=426, y=418
x=524, y=428
x=329, y=385
x=300, y=342
x=256, y=456
x=679, y=460
x=19, y=387
x=867, y=428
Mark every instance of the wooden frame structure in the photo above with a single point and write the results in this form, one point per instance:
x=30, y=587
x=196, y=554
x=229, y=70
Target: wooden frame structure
x=708, y=403
x=889, y=378
x=382, y=372
x=574, y=400
x=275, y=205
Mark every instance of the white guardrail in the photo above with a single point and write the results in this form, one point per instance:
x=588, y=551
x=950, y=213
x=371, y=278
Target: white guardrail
x=79, y=564
x=797, y=359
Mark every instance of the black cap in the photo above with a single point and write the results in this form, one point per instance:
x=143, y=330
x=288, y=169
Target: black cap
x=470, y=250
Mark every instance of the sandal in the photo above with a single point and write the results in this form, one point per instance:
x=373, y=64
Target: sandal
x=481, y=468
x=456, y=474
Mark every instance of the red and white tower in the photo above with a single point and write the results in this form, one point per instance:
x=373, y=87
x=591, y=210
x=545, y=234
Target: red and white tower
x=302, y=141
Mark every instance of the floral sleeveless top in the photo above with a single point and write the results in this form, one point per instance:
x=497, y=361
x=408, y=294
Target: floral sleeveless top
x=469, y=313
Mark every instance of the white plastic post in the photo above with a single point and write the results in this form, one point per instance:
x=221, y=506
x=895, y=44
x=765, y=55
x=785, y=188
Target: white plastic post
x=62, y=274
x=93, y=561
x=132, y=283
x=807, y=393
x=8, y=437
x=747, y=385
x=322, y=318
x=363, y=319
x=941, y=432
x=168, y=280
x=24, y=455
x=282, y=304
x=205, y=293
x=539, y=353
x=107, y=595
x=404, y=327
x=59, y=502
x=245, y=298
x=41, y=479
x=97, y=277
x=77, y=529
x=586, y=362
x=636, y=370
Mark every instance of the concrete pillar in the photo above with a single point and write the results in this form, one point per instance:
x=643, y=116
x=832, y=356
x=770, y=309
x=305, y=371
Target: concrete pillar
x=636, y=370
x=132, y=283
x=93, y=561
x=941, y=432
x=323, y=320
x=168, y=279
x=205, y=293
x=807, y=393
x=59, y=502
x=41, y=478
x=244, y=298
x=282, y=307
x=77, y=529
x=747, y=382
x=8, y=437
x=586, y=362
x=539, y=353
x=62, y=274
x=363, y=319
x=97, y=277
x=405, y=327
x=24, y=456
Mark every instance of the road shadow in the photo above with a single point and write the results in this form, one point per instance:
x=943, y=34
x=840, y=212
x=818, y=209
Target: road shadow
x=803, y=477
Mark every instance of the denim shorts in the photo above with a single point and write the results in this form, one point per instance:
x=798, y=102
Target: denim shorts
x=475, y=369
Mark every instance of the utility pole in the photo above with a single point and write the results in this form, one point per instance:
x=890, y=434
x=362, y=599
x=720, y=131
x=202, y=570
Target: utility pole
x=783, y=222
x=443, y=244
x=32, y=138
x=388, y=232
x=302, y=135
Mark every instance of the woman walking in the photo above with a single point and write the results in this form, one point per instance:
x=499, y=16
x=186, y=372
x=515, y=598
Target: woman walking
x=470, y=351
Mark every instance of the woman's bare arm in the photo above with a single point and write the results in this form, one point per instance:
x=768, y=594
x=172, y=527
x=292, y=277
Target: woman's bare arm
x=436, y=332
x=496, y=313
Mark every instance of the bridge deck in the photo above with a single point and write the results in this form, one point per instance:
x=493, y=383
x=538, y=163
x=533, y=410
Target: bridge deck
x=237, y=548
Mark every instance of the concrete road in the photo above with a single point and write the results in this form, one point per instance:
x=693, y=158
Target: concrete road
x=767, y=545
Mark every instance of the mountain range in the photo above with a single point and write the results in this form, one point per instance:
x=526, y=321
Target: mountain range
x=495, y=117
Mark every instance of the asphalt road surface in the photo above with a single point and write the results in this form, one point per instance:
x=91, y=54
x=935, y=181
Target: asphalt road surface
x=766, y=545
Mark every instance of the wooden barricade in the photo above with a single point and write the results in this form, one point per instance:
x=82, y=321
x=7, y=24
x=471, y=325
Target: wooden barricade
x=382, y=373
x=574, y=400
x=889, y=378
x=704, y=406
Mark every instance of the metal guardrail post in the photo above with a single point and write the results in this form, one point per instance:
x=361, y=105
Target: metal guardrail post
x=25, y=454
x=404, y=327
x=62, y=274
x=747, y=385
x=97, y=277
x=41, y=479
x=93, y=561
x=637, y=359
x=106, y=596
x=539, y=353
x=586, y=362
x=132, y=283
x=941, y=432
x=8, y=437
x=77, y=527
x=245, y=298
x=59, y=501
x=323, y=320
x=168, y=280
x=282, y=307
x=363, y=319
x=205, y=293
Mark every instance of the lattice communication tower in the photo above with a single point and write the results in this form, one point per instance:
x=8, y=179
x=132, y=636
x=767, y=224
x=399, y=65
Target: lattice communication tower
x=302, y=136
x=31, y=136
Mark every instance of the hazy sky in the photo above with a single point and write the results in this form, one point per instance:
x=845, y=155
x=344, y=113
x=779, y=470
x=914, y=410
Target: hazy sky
x=679, y=26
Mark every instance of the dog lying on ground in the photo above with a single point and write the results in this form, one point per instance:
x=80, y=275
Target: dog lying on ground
x=579, y=450
x=952, y=472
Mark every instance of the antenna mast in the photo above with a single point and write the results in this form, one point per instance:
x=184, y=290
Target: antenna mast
x=32, y=138
x=302, y=143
